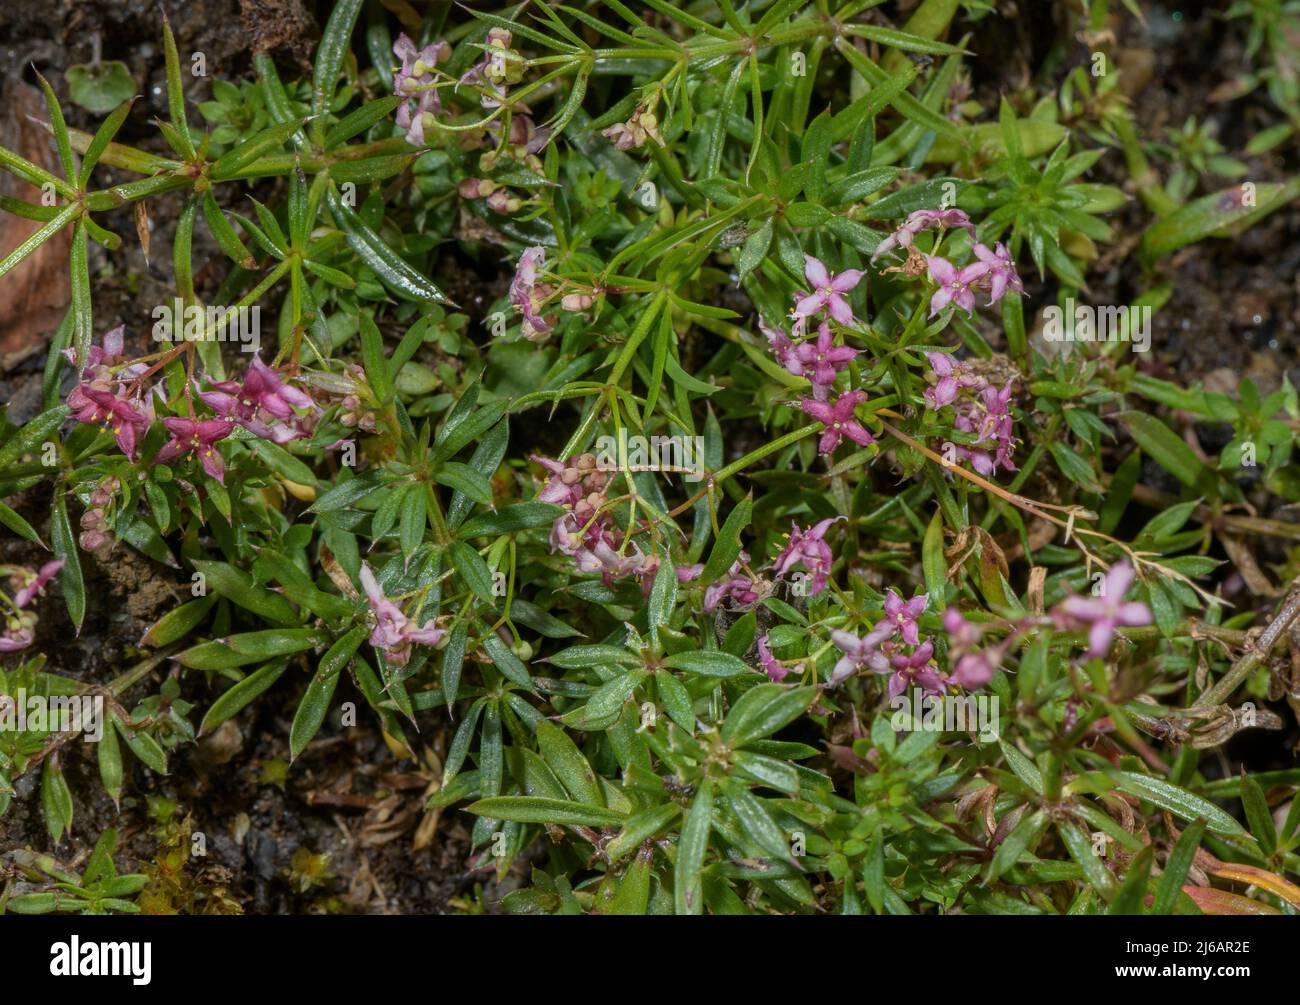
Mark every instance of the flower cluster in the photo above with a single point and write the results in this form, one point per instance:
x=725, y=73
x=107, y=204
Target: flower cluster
x=642, y=126
x=112, y=393
x=819, y=360
x=94, y=535
x=19, y=625
x=879, y=653
x=527, y=294
x=414, y=79
x=839, y=421
x=809, y=549
x=993, y=270
x=776, y=670
x=109, y=394
x=264, y=404
x=828, y=291
x=500, y=67
x=923, y=219
x=394, y=633
x=738, y=587
x=981, y=409
x=585, y=531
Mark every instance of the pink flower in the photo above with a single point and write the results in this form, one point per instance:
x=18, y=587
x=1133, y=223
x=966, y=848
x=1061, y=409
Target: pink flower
x=262, y=397
x=820, y=361
x=19, y=633
x=19, y=628
x=954, y=284
x=394, y=633
x=971, y=669
x=916, y=669
x=1000, y=271
x=900, y=616
x=859, y=654
x=838, y=420
x=923, y=219
x=776, y=670
x=47, y=572
x=128, y=421
x=414, y=79
x=495, y=70
x=809, y=549
x=527, y=296
x=562, y=488
x=989, y=420
x=108, y=353
x=953, y=378
x=736, y=587
x=199, y=436
x=782, y=349
x=264, y=388
x=1104, y=613
x=827, y=291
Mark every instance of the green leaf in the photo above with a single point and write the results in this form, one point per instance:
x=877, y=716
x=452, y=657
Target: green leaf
x=564, y=758
x=473, y=570
x=239, y=696
x=1262, y=828
x=1214, y=215
x=676, y=699
x=453, y=659
x=392, y=271
x=464, y=479
x=639, y=828
x=508, y=519
x=330, y=52
x=315, y=702
x=238, y=586
x=507, y=662
x=726, y=549
x=756, y=823
x=56, y=799
x=688, y=895
x=83, y=326
x=1177, y=866
x=1024, y=837
x=250, y=647
x=71, y=580
x=108, y=755
x=539, y=810
x=1079, y=845
x=1163, y=446
x=144, y=746
x=372, y=356
x=763, y=710
x=100, y=89
x=175, y=92
x=709, y=663
x=104, y=134
x=1178, y=801
x=38, y=237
